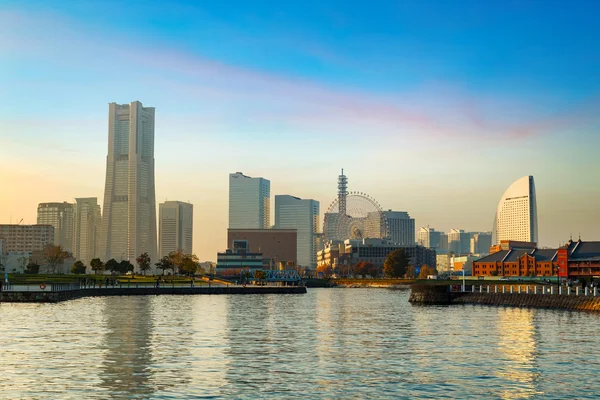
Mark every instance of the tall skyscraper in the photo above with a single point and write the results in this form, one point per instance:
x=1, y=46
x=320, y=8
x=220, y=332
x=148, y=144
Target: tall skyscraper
x=175, y=227
x=249, y=202
x=88, y=221
x=516, y=215
x=129, y=212
x=303, y=215
x=60, y=216
x=401, y=227
x=429, y=237
x=459, y=241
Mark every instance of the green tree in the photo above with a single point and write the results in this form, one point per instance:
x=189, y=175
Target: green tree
x=143, y=262
x=165, y=263
x=97, y=265
x=125, y=266
x=395, y=264
x=54, y=256
x=112, y=266
x=189, y=264
x=32, y=268
x=78, y=268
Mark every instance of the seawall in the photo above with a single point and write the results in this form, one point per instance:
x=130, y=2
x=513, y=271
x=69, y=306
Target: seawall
x=442, y=295
x=55, y=297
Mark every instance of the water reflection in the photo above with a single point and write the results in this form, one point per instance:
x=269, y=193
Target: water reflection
x=127, y=347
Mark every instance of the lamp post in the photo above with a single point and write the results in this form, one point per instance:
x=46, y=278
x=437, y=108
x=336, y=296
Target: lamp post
x=463, y=285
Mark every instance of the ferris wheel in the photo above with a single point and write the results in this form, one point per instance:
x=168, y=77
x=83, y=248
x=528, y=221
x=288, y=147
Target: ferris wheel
x=363, y=218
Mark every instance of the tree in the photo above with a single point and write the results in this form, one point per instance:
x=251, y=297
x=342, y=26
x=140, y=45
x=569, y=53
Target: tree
x=395, y=264
x=78, y=268
x=410, y=272
x=165, y=263
x=112, y=266
x=32, y=268
x=97, y=265
x=189, y=264
x=143, y=262
x=260, y=275
x=426, y=270
x=177, y=258
x=125, y=266
x=54, y=256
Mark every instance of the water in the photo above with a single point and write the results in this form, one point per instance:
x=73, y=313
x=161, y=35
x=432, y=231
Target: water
x=330, y=343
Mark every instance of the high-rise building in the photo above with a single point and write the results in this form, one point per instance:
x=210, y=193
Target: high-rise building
x=26, y=238
x=176, y=227
x=129, y=212
x=481, y=243
x=443, y=248
x=61, y=217
x=88, y=221
x=401, y=227
x=303, y=215
x=249, y=202
x=516, y=216
x=429, y=238
x=459, y=241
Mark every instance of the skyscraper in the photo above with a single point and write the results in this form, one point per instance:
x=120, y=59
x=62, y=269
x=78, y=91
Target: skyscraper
x=516, y=215
x=87, y=229
x=60, y=216
x=303, y=215
x=175, y=227
x=129, y=212
x=459, y=241
x=401, y=227
x=249, y=202
x=429, y=237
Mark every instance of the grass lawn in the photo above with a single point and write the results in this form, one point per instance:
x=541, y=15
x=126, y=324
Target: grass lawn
x=62, y=278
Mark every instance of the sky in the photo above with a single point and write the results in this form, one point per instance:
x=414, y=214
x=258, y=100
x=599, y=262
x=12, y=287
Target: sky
x=431, y=107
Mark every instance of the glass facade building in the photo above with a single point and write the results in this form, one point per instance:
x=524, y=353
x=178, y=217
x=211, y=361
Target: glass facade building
x=249, y=202
x=303, y=215
x=88, y=221
x=61, y=217
x=176, y=227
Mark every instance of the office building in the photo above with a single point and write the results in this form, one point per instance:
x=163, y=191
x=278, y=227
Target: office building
x=275, y=245
x=481, y=243
x=129, y=211
x=516, y=215
x=401, y=227
x=303, y=216
x=176, y=226
x=249, y=202
x=375, y=251
x=88, y=221
x=459, y=241
x=26, y=238
x=61, y=216
x=429, y=238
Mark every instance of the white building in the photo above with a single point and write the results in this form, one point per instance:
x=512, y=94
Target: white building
x=429, y=238
x=175, y=227
x=61, y=216
x=516, y=216
x=88, y=221
x=129, y=212
x=249, y=202
x=401, y=227
x=303, y=215
x=26, y=238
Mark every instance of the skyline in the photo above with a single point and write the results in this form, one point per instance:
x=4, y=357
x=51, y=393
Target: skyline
x=421, y=115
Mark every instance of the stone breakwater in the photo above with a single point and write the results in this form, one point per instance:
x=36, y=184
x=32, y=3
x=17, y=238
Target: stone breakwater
x=58, y=296
x=441, y=295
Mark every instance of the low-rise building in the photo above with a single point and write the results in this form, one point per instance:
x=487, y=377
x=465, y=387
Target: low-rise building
x=25, y=238
x=275, y=245
x=375, y=251
x=232, y=263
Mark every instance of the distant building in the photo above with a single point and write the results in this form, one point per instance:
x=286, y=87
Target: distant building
x=175, y=227
x=249, y=202
x=303, y=216
x=401, y=227
x=481, y=243
x=61, y=216
x=232, y=263
x=88, y=221
x=275, y=245
x=516, y=215
x=429, y=238
x=26, y=238
x=443, y=262
x=459, y=241
x=330, y=254
x=129, y=211
x=375, y=251
x=443, y=244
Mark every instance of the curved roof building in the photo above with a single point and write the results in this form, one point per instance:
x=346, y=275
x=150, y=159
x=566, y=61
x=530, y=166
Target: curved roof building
x=516, y=216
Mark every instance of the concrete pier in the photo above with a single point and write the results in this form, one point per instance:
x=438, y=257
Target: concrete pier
x=57, y=296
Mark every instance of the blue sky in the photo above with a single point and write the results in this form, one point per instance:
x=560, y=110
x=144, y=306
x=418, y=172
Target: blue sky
x=433, y=107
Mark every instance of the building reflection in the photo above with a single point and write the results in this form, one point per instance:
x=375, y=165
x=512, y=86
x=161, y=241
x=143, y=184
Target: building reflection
x=127, y=347
x=517, y=345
